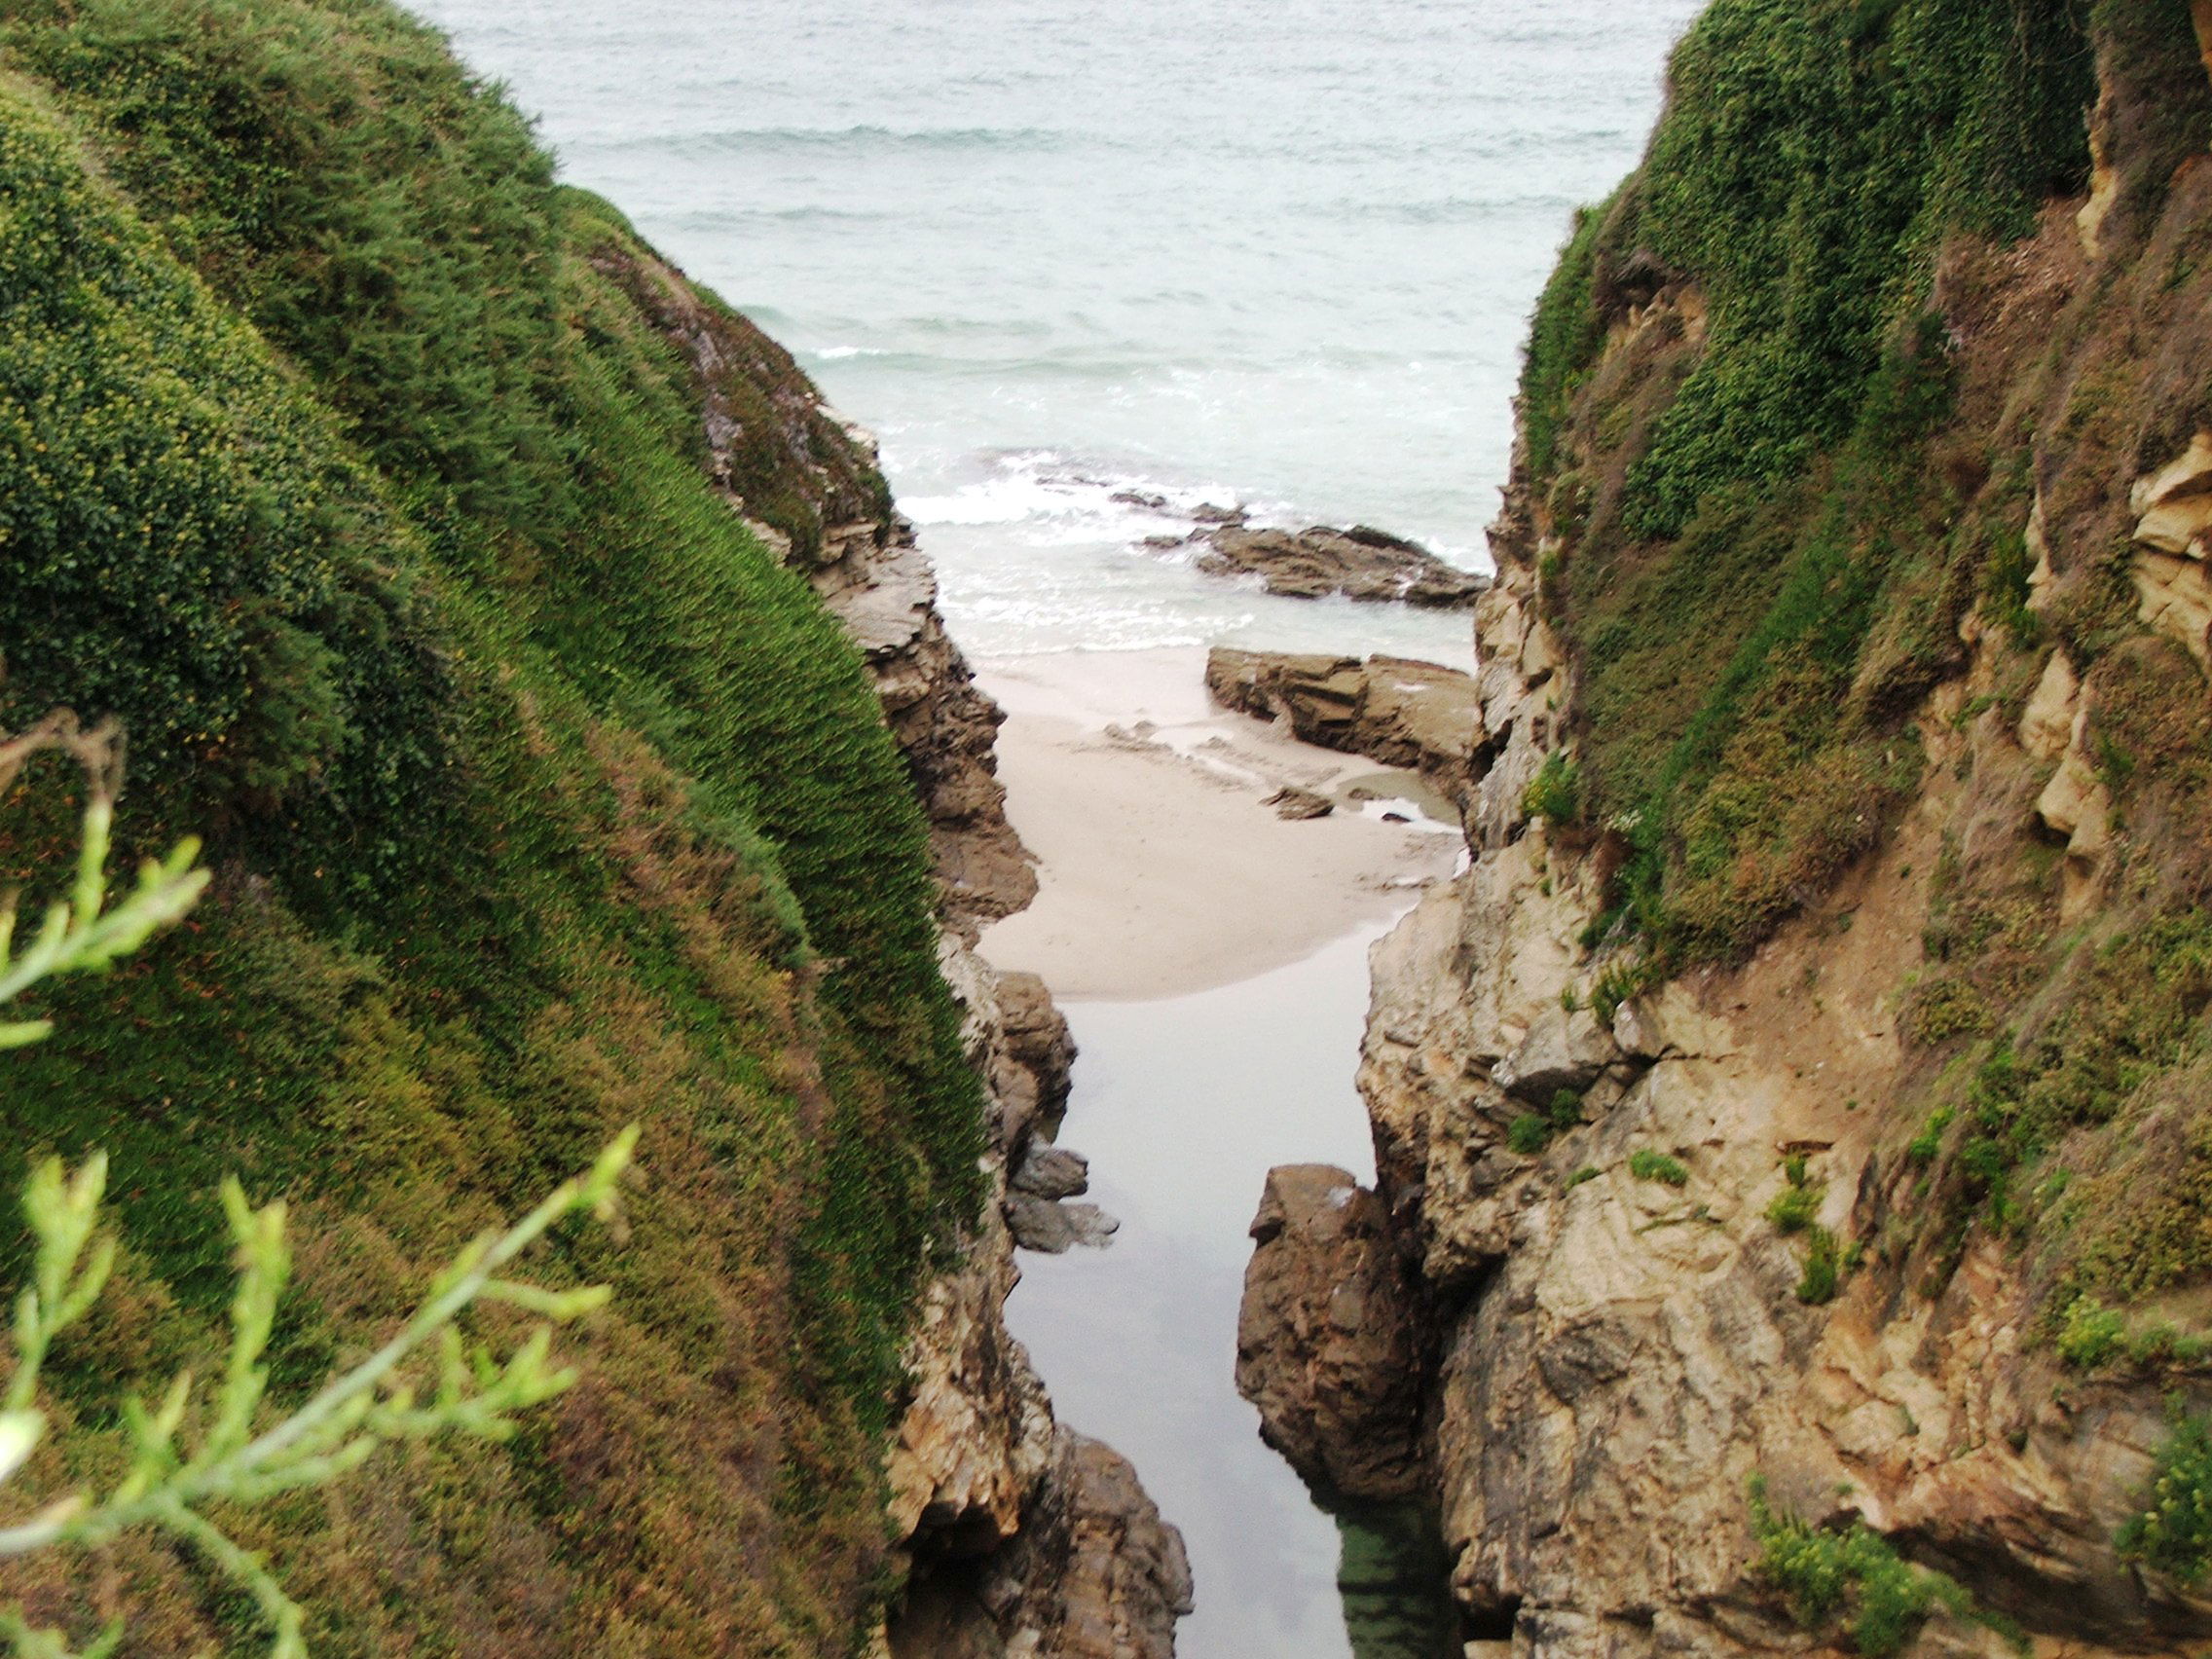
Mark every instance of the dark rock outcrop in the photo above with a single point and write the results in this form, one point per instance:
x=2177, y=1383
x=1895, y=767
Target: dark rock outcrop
x=1400, y=711
x=1359, y=563
x=1328, y=1343
x=1094, y=1573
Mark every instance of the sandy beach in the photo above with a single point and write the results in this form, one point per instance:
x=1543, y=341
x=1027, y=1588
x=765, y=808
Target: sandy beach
x=1162, y=871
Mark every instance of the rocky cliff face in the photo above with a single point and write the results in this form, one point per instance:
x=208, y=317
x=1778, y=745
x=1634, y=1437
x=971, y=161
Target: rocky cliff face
x=1017, y=1535
x=1783, y=1239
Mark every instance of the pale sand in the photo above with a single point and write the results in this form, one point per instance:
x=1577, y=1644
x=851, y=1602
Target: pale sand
x=1160, y=873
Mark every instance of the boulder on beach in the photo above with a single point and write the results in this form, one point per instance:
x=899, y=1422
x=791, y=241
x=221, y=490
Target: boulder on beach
x=1293, y=803
x=1421, y=715
x=1361, y=563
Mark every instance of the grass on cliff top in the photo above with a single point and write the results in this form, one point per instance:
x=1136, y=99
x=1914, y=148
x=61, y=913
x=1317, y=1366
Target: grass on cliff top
x=541, y=799
x=1772, y=513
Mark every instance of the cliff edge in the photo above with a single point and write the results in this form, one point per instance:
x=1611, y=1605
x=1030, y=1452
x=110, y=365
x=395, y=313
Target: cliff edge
x=1795, y=1123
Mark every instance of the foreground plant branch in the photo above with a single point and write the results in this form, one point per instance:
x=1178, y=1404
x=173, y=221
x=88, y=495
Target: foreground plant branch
x=79, y=934
x=167, y=1483
x=173, y=1475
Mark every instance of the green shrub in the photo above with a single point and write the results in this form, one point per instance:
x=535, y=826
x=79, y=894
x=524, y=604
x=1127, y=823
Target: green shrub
x=1798, y=1204
x=1528, y=1134
x=1588, y=1172
x=2173, y=1532
x=1807, y=172
x=2091, y=1334
x=1823, y=1267
x=1923, y=1147
x=1647, y=1164
x=1854, y=1578
x=1946, y=1007
x=1533, y=1132
x=1554, y=794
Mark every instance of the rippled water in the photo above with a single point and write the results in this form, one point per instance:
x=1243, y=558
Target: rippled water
x=1275, y=251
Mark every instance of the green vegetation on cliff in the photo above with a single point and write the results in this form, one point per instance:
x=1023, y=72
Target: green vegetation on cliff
x=352, y=467
x=1837, y=401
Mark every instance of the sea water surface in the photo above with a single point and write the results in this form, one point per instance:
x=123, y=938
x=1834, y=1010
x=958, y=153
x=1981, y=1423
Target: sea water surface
x=1275, y=253
x=1183, y=1105
x=1271, y=252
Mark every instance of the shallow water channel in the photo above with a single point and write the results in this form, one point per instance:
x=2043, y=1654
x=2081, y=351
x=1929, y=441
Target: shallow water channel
x=1182, y=1106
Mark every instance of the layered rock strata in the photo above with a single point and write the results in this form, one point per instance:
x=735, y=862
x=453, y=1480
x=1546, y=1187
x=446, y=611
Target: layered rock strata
x=1018, y=1536
x=1397, y=711
x=1620, y=1336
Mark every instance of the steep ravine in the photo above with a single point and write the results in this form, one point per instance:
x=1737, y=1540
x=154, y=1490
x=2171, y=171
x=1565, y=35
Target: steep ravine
x=1017, y=1534
x=1759, y=1163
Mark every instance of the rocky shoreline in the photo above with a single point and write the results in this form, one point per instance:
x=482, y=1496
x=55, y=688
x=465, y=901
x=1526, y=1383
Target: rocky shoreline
x=1357, y=563
x=1397, y=711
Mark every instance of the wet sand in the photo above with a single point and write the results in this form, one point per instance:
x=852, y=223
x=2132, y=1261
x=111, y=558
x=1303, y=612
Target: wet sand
x=1161, y=871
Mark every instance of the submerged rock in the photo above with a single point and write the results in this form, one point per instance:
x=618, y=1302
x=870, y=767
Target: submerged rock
x=1327, y=1340
x=1359, y=563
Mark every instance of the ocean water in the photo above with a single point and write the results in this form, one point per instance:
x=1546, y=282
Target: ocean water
x=1278, y=253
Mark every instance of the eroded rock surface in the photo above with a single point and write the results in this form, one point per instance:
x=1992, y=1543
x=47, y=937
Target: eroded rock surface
x=1617, y=1354
x=1328, y=1339
x=1359, y=563
x=1397, y=711
x=1094, y=1574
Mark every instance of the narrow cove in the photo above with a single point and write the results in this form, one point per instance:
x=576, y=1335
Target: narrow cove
x=1183, y=1104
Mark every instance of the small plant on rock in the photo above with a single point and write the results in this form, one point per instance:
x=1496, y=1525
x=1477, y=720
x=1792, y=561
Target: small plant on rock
x=1824, y=1267
x=2173, y=1533
x=2091, y=1334
x=1555, y=793
x=1795, y=1207
x=1853, y=1577
x=1647, y=1164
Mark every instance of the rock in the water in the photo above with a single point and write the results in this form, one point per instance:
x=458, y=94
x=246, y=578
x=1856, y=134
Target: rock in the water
x=1327, y=1340
x=1292, y=802
x=1053, y=1228
x=1359, y=563
x=1394, y=709
x=1052, y=1172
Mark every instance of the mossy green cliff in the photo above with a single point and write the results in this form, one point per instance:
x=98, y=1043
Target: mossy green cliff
x=1843, y=844
x=353, y=464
